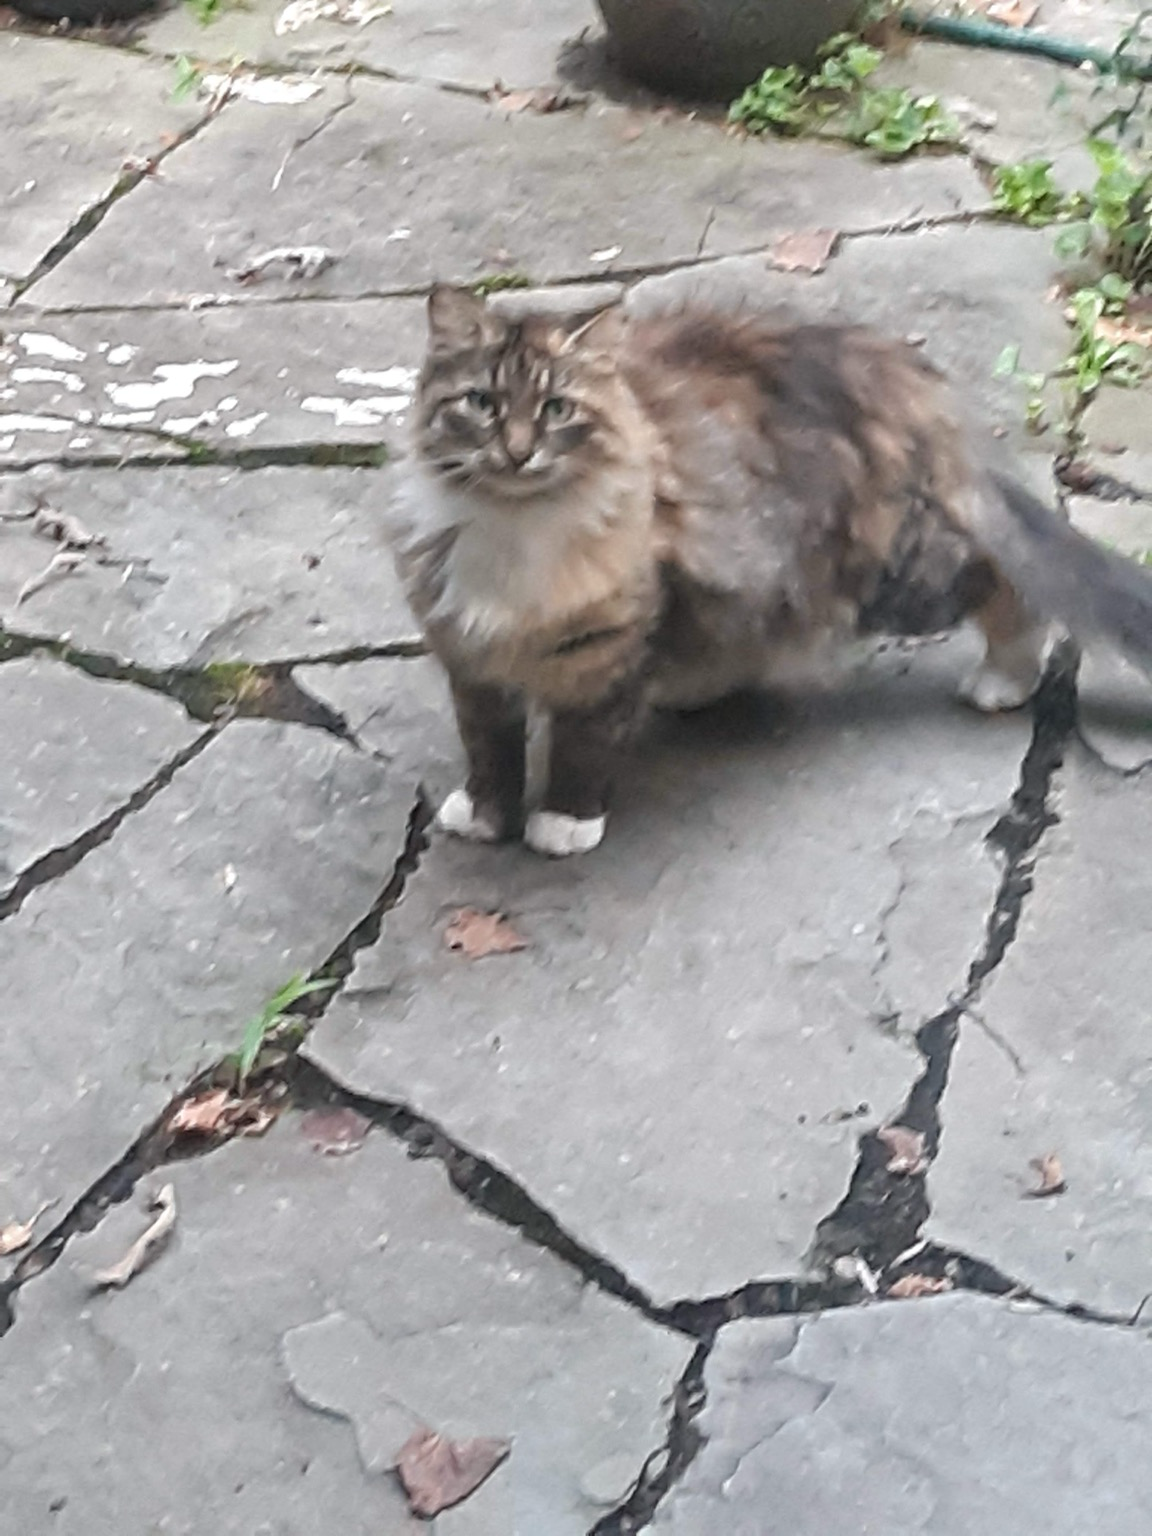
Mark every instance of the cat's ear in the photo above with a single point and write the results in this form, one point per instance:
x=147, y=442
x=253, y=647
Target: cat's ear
x=456, y=318
x=599, y=337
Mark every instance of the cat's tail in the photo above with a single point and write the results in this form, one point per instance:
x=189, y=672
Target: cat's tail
x=1063, y=575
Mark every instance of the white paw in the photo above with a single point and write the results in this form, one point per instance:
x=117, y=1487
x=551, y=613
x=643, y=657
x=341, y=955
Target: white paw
x=991, y=691
x=557, y=835
x=458, y=816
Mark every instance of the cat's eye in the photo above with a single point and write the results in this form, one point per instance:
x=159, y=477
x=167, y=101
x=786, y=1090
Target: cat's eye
x=481, y=400
x=556, y=408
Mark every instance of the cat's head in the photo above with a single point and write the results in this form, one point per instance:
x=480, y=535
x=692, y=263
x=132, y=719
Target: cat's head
x=516, y=408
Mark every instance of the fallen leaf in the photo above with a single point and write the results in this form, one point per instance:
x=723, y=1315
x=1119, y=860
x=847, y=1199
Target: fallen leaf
x=61, y=564
x=805, y=250
x=1078, y=475
x=1122, y=332
x=906, y=1147
x=18, y=1234
x=542, y=99
x=219, y=1111
x=63, y=529
x=918, y=1285
x=477, y=934
x=1010, y=13
x=297, y=260
x=146, y=1246
x=203, y=1114
x=1051, y=1177
x=438, y=1472
x=335, y=1131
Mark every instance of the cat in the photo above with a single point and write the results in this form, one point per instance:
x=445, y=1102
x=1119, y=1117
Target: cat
x=610, y=514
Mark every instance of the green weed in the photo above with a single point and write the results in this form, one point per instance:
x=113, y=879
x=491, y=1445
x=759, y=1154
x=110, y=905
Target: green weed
x=500, y=282
x=270, y=1018
x=1029, y=193
x=836, y=99
x=188, y=78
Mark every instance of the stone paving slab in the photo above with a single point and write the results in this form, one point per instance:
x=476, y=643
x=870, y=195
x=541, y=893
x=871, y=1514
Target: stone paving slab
x=1010, y=107
x=389, y=186
x=399, y=709
x=147, y=960
x=70, y=116
x=676, y=1066
x=956, y=1416
x=211, y=564
x=1118, y=429
x=967, y=292
x=250, y=377
x=296, y=1279
x=1116, y=698
x=1071, y=1074
x=434, y=39
x=72, y=751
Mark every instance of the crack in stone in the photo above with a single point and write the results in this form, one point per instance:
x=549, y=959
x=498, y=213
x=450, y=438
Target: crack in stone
x=157, y=1145
x=212, y=693
x=130, y=177
x=912, y=225
x=882, y=1213
x=57, y=862
x=192, y=453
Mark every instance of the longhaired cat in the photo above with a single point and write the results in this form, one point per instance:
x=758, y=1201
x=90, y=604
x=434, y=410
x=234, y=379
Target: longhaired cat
x=607, y=515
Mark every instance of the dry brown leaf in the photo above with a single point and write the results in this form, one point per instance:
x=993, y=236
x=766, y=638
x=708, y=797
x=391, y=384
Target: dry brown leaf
x=335, y=1131
x=206, y=1113
x=1010, y=13
x=1051, y=1177
x=146, y=1246
x=543, y=99
x=18, y=1234
x=805, y=250
x=477, y=934
x=918, y=1285
x=1121, y=332
x=906, y=1147
x=438, y=1472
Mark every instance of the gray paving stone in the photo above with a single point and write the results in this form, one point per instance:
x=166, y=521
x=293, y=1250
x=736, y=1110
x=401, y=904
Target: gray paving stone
x=72, y=751
x=1010, y=107
x=967, y=291
x=249, y=377
x=956, y=1416
x=1070, y=1074
x=399, y=709
x=433, y=39
x=390, y=187
x=1118, y=429
x=296, y=1282
x=674, y=1067
x=145, y=961
x=1115, y=697
x=210, y=564
x=69, y=119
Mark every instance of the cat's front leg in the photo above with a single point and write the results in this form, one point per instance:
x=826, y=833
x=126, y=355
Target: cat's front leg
x=490, y=804
x=585, y=750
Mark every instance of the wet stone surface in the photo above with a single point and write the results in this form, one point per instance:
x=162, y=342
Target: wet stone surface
x=666, y=1097
x=940, y=1416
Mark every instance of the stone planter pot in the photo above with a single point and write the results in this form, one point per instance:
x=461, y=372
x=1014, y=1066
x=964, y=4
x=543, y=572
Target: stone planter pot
x=712, y=49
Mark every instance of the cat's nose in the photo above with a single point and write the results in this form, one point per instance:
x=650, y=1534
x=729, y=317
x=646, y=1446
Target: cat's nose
x=519, y=442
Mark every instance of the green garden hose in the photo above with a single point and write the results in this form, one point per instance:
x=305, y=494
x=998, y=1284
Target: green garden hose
x=991, y=34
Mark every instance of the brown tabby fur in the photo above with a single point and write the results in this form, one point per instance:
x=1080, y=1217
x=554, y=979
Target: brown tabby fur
x=700, y=500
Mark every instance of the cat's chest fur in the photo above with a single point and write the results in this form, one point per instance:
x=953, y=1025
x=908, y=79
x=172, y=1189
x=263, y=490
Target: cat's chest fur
x=545, y=593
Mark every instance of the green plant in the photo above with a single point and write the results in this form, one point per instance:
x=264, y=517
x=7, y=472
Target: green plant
x=500, y=282
x=1119, y=223
x=188, y=78
x=271, y=1016
x=1029, y=192
x=838, y=100
x=205, y=11
x=1097, y=357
